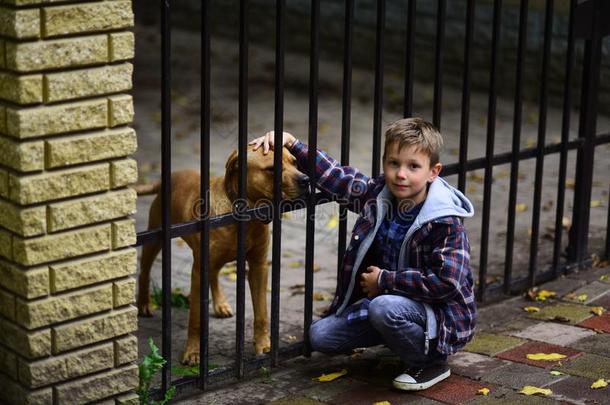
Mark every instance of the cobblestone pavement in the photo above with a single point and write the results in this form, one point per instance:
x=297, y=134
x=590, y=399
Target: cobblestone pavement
x=186, y=151
x=496, y=359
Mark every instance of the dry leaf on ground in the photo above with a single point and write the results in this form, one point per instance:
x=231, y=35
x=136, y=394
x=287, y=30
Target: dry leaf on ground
x=545, y=356
x=521, y=207
x=597, y=311
x=601, y=383
x=331, y=376
x=582, y=297
x=531, y=390
x=332, y=222
x=483, y=391
x=382, y=403
x=555, y=372
x=531, y=309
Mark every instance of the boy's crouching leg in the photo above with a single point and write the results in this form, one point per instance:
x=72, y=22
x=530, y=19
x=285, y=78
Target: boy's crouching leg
x=335, y=335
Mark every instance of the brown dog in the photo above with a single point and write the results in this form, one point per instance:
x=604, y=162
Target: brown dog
x=185, y=203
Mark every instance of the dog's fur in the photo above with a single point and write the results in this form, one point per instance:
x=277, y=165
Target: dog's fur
x=185, y=202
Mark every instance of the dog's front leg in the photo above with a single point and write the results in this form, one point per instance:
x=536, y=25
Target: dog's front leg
x=257, y=278
x=191, y=354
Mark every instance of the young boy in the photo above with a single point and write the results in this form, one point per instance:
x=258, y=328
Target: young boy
x=406, y=279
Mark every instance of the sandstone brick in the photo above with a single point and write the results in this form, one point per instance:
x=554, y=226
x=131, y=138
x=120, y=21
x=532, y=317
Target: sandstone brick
x=22, y=156
x=123, y=233
x=95, y=329
x=51, y=120
x=83, y=272
x=6, y=243
x=59, y=184
x=99, y=386
x=32, y=345
x=49, y=248
x=87, y=148
x=14, y=393
x=62, y=368
x=21, y=89
x=30, y=2
x=30, y=283
x=77, y=18
x=87, y=82
x=120, y=110
x=125, y=350
x=2, y=108
x=121, y=46
x=60, y=53
x=35, y=314
x=2, y=63
x=23, y=221
x=7, y=304
x=128, y=399
x=19, y=23
x=123, y=173
x=8, y=363
x=124, y=292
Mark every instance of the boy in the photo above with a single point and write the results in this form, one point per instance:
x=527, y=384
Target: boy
x=406, y=279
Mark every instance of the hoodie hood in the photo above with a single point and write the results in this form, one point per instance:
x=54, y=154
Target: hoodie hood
x=444, y=200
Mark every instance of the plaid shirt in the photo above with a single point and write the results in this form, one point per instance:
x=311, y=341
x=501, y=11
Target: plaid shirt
x=437, y=268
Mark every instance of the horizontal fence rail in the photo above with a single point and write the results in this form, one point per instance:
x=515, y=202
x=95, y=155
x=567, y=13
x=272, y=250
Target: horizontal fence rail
x=588, y=22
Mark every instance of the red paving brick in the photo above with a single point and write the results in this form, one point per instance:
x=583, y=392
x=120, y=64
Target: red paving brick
x=519, y=354
x=454, y=390
x=370, y=394
x=598, y=323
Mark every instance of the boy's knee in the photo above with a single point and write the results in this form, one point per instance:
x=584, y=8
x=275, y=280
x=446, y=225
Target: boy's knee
x=318, y=338
x=387, y=311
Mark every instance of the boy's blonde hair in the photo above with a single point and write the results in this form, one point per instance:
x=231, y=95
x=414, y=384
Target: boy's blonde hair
x=415, y=132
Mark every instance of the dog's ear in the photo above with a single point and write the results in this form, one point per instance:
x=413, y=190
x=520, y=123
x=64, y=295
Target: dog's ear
x=231, y=176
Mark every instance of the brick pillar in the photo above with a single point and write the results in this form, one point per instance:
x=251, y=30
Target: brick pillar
x=66, y=265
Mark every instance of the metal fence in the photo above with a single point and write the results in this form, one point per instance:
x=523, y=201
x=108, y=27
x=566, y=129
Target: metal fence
x=589, y=21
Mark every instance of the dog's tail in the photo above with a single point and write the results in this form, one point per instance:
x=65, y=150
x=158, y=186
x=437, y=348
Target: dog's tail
x=147, y=188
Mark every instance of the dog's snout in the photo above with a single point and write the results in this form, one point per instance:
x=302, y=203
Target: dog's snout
x=303, y=182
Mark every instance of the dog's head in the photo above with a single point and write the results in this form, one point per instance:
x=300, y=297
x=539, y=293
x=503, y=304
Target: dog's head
x=260, y=176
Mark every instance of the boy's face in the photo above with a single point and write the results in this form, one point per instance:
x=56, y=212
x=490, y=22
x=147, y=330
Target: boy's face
x=407, y=172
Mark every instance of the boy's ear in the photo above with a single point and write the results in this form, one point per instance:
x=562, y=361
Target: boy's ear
x=434, y=172
x=231, y=176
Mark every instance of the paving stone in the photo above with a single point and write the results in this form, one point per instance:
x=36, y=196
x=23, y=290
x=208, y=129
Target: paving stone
x=473, y=365
x=564, y=285
x=324, y=392
x=501, y=313
x=603, y=301
x=370, y=394
x=577, y=389
x=571, y=312
x=593, y=291
x=590, y=274
x=554, y=333
x=453, y=390
x=496, y=395
x=296, y=400
x=517, y=375
x=514, y=326
x=517, y=399
x=598, y=322
x=519, y=354
x=588, y=365
x=491, y=344
x=597, y=344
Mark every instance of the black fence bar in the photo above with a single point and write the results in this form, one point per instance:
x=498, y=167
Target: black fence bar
x=242, y=187
x=591, y=28
x=378, y=99
x=465, y=119
x=345, y=120
x=312, y=142
x=166, y=173
x=204, y=192
x=514, y=165
x=438, y=63
x=410, y=50
x=277, y=179
x=534, y=243
x=489, y=151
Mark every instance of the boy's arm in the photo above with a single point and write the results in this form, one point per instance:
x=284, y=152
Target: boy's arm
x=441, y=281
x=343, y=182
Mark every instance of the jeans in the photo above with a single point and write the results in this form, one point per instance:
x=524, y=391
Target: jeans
x=393, y=320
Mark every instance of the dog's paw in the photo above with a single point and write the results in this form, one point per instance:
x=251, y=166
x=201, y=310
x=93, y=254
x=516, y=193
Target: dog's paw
x=223, y=310
x=262, y=345
x=191, y=358
x=145, y=310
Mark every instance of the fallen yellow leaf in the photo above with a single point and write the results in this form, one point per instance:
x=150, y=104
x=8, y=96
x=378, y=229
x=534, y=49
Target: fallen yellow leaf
x=483, y=391
x=597, y=311
x=570, y=183
x=232, y=276
x=555, y=372
x=521, y=207
x=544, y=294
x=530, y=390
x=582, y=297
x=601, y=383
x=604, y=277
x=596, y=203
x=382, y=403
x=531, y=309
x=295, y=264
x=332, y=222
x=546, y=357
x=331, y=376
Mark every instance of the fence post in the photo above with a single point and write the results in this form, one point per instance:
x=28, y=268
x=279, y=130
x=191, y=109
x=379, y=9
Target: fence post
x=591, y=24
x=66, y=265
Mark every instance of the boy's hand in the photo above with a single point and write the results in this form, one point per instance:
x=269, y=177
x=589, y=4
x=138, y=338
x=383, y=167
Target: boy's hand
x=267, y=141
x=368, y=281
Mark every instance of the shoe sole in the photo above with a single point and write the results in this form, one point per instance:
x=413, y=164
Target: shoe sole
x=420, y=386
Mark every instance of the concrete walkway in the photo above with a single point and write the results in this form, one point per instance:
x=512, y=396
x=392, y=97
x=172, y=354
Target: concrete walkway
x=496, y=359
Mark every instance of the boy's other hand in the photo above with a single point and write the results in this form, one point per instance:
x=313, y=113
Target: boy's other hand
x=368, y=281
x=267, y=140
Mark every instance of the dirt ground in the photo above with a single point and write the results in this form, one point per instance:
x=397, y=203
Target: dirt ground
x=186, y=151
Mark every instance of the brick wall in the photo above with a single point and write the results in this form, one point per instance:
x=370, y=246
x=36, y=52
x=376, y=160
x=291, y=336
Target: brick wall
x=66, y=265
